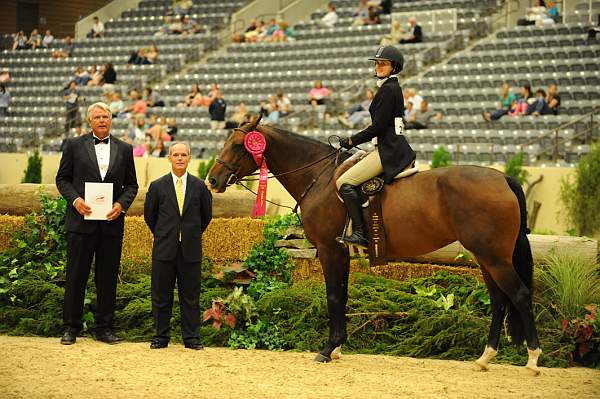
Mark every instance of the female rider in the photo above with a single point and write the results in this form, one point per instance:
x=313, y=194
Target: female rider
x=392, y=154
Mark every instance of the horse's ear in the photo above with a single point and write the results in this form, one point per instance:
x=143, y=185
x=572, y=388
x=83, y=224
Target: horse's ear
x=255, y=121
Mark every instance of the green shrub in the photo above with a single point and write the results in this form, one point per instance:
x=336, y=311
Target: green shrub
x=514, y=168
x=204, y=167
x=33, y=173
x=441, y=157
x=580, y=196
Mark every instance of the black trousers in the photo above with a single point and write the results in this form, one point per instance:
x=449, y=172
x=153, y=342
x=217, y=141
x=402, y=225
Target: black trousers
x=81, y=249
x=188, y=275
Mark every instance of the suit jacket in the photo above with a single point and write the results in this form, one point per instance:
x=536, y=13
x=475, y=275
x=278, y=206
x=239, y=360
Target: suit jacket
x=79, y=165
x=394, y=151
x=162, y=216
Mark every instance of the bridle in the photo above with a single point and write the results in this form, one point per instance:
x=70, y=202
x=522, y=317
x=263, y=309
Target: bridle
x=235, y=169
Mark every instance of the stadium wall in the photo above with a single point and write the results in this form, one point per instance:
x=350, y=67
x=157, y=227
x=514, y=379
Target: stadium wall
x=546, y=192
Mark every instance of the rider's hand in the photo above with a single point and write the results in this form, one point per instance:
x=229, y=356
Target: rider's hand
x=346, y=143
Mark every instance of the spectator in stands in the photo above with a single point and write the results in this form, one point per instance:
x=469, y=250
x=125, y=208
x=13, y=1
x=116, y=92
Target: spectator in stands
x=361, y=12
x=188, y=26
x=81, y=76
x=538, y=15
x=421, y=117
x=283, y=104
x=159, y=150
x=411, y=95
x=139, y=57
x=35, y=40
x=4, y=76
x=96, y=75
x=553, y=99
x=109, y=75
x=4, y=101
x=553, y=11
x=217, y=109
x=270, y=110
x=67, y=49
x=394, y=36
x=382, y=6
x=164, y=29
x=138, y=104
x=162, y=122
x=284, y=33
x=152, y=99
x=20, y=41
x=415, y=33
x=372, y=17
x=240, y=116
x=137, y=132
x=181, y=7
x=71, y=98
x=152, y=54
x=593, y=31
x=524, y=101
x=318, y=94
x=540, y=106
x=116, y=105
x=155, y=130
x=172, y=128
x=175, y=26
x=504, y=101
x=330, y=18
x=48, y=39
x=256, y=34
x=189, y=98
x=359, y=112
x=269, y=30
x=97, y=29
x=515, y=109
x=409, y=109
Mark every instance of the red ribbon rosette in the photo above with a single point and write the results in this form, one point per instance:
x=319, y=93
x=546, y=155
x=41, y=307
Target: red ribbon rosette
x=256, y=144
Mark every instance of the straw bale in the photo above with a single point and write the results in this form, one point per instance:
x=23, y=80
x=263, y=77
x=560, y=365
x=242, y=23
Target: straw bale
x=8, y=225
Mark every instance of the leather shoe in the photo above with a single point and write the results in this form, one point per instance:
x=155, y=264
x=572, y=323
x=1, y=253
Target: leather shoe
x=68, y=338
x=194, y=346
x=108, y=336
x=158, y=344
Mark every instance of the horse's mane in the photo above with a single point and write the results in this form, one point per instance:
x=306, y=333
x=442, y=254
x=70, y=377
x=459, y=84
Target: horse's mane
x=297, y=136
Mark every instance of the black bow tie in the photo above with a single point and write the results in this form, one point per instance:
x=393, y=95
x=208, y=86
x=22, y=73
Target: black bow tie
x=98, y=141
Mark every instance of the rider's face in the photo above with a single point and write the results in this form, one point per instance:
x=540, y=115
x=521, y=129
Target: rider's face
x=383, y=68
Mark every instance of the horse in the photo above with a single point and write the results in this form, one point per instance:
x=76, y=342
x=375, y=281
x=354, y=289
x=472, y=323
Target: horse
x=480, y=207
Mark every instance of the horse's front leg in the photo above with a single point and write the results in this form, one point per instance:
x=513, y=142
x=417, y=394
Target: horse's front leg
x=335, y=262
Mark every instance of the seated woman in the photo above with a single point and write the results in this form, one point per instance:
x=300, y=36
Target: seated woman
x=524, y=101
x=318, y=94
x=152, y=54
x=539, y=106
x=187, y=101
x=96, y=76
x=539, y=15
x=504, y=101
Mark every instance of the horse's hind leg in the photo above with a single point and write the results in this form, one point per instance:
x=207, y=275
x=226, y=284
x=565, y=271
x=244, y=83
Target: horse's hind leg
x=335, y=262
x=499, y=303
x=522, y=326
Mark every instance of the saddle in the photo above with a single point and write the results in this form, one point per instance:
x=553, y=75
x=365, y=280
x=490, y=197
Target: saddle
x=371, y=190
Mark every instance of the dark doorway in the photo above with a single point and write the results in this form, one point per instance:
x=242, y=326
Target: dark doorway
x=27, y=16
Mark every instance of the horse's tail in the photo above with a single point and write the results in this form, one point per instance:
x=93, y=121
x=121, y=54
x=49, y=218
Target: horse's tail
x=522, y=262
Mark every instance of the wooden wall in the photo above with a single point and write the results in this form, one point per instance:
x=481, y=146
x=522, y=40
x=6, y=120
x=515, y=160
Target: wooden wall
x=58, y=15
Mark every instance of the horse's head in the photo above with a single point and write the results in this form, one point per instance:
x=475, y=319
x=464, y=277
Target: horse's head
x=234, y=162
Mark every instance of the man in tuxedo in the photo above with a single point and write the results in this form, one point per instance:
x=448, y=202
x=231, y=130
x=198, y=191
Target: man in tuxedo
x=94, y=157
x=177, y=210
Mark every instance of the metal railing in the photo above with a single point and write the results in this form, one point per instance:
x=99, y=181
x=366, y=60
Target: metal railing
x=557, y=141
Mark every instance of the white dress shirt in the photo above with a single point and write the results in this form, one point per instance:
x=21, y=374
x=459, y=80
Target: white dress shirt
x=103, y=156
x=183, y=183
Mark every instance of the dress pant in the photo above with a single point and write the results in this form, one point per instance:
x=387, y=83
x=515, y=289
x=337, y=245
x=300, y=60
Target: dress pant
x=187, y=274
x=81, y=249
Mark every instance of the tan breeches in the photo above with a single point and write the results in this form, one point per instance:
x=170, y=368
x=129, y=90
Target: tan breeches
x=370, y=166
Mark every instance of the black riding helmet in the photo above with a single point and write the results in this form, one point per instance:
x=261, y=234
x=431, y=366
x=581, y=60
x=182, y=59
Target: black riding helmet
x=390, y=53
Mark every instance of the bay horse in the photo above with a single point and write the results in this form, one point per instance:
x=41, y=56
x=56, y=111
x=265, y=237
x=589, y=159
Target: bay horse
x=480, y=207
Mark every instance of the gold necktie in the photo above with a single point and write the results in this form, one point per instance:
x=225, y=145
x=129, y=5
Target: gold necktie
x=179, y=192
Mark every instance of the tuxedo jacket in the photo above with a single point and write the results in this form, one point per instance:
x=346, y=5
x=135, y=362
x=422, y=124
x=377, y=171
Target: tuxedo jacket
x=79, y=165
x=162, y=216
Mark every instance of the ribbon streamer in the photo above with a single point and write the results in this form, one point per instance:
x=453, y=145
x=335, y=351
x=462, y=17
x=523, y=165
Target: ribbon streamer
x=255, y=143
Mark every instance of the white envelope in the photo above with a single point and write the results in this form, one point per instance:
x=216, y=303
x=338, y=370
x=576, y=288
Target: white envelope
x=99, y=197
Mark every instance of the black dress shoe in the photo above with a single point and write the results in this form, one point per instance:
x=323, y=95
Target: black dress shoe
x=194, y=345
x=108, y=336
x=158, y=344
x=68, y=338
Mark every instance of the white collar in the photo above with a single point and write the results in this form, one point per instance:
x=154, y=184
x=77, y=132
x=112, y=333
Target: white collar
x=380, y=82
x=183, y=178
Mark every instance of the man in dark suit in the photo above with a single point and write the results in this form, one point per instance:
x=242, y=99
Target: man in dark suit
x=94, y=157
x=177, y=210
x=415, y=33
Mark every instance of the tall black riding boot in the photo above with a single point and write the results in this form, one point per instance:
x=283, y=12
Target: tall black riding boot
x=353, y=201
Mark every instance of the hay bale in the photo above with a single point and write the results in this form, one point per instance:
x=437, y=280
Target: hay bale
x=232, y=239
x=8, y=226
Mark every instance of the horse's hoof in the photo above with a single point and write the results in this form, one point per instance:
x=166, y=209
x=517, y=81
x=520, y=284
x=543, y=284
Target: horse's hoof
x=533, y=370
x=322, y=359
x=481, y=366
x=337, y=353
